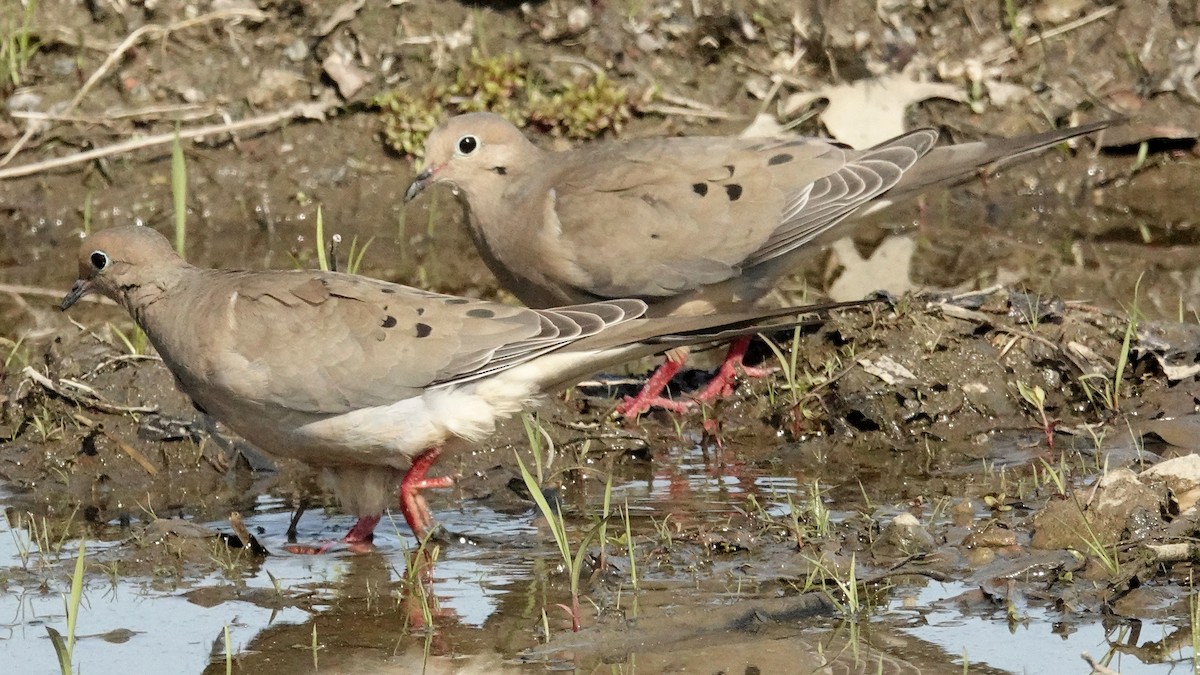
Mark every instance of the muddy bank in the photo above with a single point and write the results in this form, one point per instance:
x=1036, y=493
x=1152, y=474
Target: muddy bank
x=978, y=457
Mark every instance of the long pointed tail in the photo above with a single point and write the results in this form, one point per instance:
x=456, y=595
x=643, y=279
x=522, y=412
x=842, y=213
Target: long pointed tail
x=950, y=164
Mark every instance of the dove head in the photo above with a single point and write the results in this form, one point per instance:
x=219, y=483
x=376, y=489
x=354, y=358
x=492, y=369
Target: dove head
x=119, y=261
x=478, y=153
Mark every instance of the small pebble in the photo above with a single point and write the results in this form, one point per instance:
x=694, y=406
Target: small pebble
x=297, y=51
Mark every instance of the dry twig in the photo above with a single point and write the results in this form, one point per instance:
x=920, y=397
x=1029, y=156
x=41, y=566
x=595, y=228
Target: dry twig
x=82, y=395
x=116, y=55
x=133, y=452
x=306, y=110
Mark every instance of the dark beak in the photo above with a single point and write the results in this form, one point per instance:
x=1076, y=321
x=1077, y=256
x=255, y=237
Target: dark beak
x=419, y=184
x=81, y=288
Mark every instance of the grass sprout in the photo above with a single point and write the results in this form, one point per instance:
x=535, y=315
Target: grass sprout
x=179, y=194
x=558, y=527
x=64, y=647
x=17, y=41
x=845, y=594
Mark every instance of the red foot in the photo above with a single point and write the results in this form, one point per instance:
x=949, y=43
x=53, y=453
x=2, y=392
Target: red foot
x=632, y=407
x=363, y=530
x=412, y=504
x=358, y=539
x=721, y=385
x=651, y=393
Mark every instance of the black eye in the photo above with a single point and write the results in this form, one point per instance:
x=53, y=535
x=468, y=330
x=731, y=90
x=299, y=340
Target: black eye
x=99, y=260
x=467, y=145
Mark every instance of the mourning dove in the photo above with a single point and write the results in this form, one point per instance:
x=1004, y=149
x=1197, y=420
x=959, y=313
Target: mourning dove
x=362, y=378
x=690, y=225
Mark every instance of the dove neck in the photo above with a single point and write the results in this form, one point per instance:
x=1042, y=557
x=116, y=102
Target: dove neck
x=506, y=254
x=147, y=300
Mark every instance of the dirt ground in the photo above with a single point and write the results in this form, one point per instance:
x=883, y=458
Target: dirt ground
x=1017, y=428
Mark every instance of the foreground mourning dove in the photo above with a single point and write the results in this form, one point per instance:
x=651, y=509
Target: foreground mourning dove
x=362, y=378
x=690, y=225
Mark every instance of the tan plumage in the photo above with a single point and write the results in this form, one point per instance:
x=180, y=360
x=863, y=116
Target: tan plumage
x=357, y=376
x=691, y=225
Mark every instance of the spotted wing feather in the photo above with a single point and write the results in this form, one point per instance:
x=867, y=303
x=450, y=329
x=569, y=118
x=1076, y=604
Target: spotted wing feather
x=362, y=343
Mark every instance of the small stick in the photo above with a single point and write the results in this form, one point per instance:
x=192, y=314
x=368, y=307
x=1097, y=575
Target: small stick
x=681, y=111
x=1097, y=668
x=135, y=36
x=133, y=453
x=115, y=56
x=94, y=401
x=301, y=506
x=1171, y=553
x=249, y=541
x=312, y=110
x=1007, y=53
x=120, y=359
x=150, y=111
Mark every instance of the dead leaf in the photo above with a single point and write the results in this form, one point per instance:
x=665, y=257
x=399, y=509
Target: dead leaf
x=886, y=369
x=869, y=111
x=764, y=126
x=348, y=77
x=888, y=269
x=341, y=15
x=1176, y=347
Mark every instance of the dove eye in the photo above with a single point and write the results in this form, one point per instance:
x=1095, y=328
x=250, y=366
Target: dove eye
x=99, y=260
x=467, y=144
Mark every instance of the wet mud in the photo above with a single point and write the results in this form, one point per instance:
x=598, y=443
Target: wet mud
x=995, y=472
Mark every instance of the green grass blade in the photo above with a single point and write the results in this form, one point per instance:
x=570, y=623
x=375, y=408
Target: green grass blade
x=322, y=261
x=179, y=193
x=76, y=596
x=557, y=525
x=60, y=650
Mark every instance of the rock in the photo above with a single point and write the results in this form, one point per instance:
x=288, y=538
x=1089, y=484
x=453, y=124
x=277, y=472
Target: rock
x=991, y=537
x=987, y=400
x=1181, y=475
x=277, y=85
x=1121, y=503
x=297, y=51
x=903, y=536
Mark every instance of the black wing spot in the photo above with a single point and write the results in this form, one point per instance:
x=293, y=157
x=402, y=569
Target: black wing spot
x=457, y=301
x=389, y=321
x=781, y=158
x=389, y=291
x=654, y=236
x=734, y=191
x=481, y=313
x=423, y=330
x=420, y=311
x=729, y=168
x=500, y=170
x=700, y=188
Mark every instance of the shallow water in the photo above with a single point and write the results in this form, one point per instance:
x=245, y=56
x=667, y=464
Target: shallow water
x=489, y=598
x=719, y=572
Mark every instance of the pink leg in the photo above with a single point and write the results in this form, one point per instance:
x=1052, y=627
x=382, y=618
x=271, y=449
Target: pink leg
x=359, y=539
x=721, y=384
x=651, y=394
x=363, y=530
x=412, y=504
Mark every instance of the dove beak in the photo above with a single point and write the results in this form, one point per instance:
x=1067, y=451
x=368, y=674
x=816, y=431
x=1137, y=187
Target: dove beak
x=421, y=182
x=81, y=288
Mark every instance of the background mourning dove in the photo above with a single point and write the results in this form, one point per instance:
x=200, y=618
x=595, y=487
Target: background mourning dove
x=689, y=224
x=362, y=378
